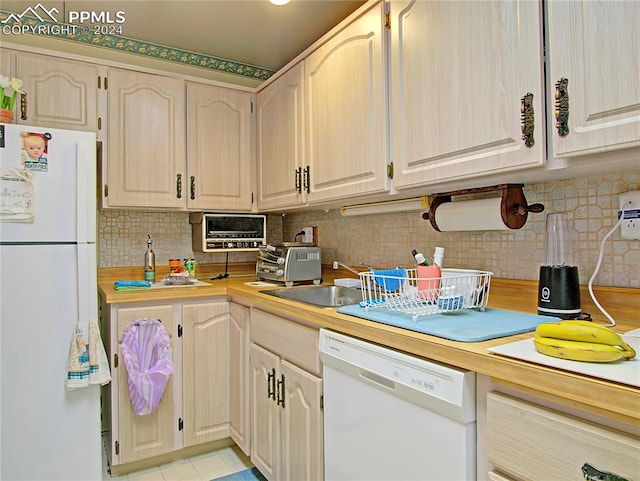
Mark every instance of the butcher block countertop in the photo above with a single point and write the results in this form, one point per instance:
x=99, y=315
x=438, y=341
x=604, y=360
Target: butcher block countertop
x=616, y=401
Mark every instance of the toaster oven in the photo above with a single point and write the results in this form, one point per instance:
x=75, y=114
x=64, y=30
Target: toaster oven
x=289, y=262
x=212, y=232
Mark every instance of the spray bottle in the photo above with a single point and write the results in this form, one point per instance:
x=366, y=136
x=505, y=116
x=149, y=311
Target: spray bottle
x=149, y=262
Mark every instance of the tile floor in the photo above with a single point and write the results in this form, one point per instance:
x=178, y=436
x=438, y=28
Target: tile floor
x=204, y=467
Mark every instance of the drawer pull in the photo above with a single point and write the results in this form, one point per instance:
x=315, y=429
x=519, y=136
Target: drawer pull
x=271, y=384
x=280, y=400
x=23, y=106
x=527, y=119
x=562, y=107
x=593, y=474
x=299, y=180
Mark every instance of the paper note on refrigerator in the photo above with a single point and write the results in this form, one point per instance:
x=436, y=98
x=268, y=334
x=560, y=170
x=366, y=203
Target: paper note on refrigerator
x=17, y=195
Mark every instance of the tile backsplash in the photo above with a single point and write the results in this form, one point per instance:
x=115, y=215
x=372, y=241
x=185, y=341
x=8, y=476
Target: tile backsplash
x=386, y=240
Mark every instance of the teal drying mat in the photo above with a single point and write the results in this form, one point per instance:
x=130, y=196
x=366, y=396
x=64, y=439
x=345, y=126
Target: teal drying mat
x=466, y=325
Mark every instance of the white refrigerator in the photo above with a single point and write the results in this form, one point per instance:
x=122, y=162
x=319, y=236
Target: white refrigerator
x=48, y=284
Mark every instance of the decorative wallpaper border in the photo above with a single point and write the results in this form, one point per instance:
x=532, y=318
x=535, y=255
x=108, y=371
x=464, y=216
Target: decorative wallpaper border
x=88, y=35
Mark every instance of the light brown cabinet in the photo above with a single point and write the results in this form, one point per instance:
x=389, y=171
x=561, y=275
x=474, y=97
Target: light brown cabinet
x=220, y=158
x=280, y=141
x=136, y=437
x=61, y=93
x=145, y=156
x=346, y=132
x=196, y=404
x=526, y=441
x=286, y=393
x=594, y=47
x=239, y=393
x=460, y=75
x=205, y=372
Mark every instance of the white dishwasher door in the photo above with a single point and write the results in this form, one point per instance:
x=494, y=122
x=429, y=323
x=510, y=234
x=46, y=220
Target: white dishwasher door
x=389, y=416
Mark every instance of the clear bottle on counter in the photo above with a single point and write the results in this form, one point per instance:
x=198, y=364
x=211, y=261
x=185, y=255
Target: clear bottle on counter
x=150, y=262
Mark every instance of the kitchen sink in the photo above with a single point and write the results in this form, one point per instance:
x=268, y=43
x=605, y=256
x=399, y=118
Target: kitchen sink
x=322, y=296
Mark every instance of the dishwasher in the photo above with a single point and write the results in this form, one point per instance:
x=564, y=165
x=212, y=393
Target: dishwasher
x=392, y=416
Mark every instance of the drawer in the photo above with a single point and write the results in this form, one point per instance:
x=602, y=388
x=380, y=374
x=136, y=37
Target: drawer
x=529, y=442
x=291, y=341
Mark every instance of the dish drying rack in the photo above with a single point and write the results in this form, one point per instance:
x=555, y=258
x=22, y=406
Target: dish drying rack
x=402, y=290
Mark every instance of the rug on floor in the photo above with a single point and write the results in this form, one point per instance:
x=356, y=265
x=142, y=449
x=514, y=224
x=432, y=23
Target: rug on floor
x=251, y=474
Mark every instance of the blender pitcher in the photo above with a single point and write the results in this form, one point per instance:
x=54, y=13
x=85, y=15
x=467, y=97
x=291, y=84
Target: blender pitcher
x=559, y=284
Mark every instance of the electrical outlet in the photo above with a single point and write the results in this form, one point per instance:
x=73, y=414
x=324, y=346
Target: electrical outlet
x=630, y=207
x=308, y=235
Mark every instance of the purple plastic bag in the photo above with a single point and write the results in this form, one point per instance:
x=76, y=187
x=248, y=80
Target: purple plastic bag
x=146, y=350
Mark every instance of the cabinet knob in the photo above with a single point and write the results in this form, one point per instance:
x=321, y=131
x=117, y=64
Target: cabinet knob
x=179, y=186
x=193, y=187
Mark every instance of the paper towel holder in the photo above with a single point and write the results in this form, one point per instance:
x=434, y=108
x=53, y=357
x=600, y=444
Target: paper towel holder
x=514, y=209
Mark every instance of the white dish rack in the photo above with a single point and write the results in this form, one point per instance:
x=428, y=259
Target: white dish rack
x=455, y=290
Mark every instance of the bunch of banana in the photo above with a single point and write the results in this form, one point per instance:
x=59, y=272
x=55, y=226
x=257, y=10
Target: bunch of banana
x=581, y=341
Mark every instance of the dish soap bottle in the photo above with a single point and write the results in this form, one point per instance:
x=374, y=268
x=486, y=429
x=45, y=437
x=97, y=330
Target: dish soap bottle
x=150, y=262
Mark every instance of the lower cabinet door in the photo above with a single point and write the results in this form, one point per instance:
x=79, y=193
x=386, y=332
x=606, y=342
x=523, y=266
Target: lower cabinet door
x=302, y=439
x=265, y=420
x=141, y=437
x=205, y=378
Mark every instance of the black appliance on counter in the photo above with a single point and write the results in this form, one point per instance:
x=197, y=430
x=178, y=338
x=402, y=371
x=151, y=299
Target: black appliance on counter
x=559, y=283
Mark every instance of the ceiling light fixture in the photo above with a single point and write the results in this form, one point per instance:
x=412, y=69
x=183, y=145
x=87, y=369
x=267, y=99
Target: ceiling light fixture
x=386, y=207
x=279, y=2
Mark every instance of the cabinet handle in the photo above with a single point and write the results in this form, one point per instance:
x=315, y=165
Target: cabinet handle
x=299, y=180
x=307, y=178
x=271, y=384
x=23, y=106
x=179, y=186
x=280, y=400
x=562, y=107
x=592, y=474
x=193, y=187
x=527, y=119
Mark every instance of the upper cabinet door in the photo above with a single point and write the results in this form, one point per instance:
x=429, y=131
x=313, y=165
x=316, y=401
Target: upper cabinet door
x=460, y=73
x=280, y=141
x=60, y=93
x=219, y=148
x=346, y=111
x=146, y=146
x=595, y=47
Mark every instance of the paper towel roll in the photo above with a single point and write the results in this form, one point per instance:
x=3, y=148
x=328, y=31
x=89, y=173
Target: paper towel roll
x=482, y=214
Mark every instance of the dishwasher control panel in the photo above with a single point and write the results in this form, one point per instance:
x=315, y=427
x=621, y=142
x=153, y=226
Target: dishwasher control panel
x=428, y=383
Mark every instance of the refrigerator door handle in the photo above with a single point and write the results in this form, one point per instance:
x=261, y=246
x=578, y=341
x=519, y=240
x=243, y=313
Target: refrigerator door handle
x=87, y=284
x=85, y=190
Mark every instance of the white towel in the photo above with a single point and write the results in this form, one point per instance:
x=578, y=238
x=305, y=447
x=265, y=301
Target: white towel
x=77, y=362
x=99, y=372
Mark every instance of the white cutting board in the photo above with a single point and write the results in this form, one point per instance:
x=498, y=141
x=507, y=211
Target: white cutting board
x=626, y=372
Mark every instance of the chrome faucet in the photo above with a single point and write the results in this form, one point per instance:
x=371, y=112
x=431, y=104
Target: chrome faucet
x=337, y=264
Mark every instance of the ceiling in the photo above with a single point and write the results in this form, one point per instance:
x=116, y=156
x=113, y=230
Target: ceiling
x=253, y=32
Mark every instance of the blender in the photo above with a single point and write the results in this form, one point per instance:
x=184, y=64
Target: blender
x=558, y=284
